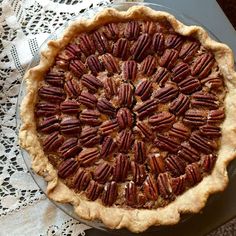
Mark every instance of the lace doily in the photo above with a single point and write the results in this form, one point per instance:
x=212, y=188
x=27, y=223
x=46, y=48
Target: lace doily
x=24, y=25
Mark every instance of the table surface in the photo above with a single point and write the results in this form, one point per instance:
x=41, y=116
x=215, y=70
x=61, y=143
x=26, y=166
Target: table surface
x=221, y=207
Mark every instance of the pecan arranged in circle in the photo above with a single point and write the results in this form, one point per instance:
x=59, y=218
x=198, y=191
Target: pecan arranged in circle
x=178, y=185
x=70, y=126
x=166, y=94
x=108, y=146
x=121, y=48
x=139, y=173
x=145, y=108
x=110, y=88
x=144, y=89
x=52, y=142
x=90, y=117
x=188, y=50
x=166, y=143
x=72, y=88
x=81, y=179
x=93, y=190
x=140, y=152
x=189, y=85
x=121, y=168
x=215, y=116
x=150, y=188
x=144, y=130
x=69, y=148
x=111, y=31
x=49, y=124
x=173, y=41
x=102, y=172
x=149, y=27
x=86, y=44
x=148, y=65
x=46, y=109
x=125, y=140
x=156, y=164
x=208, y=162
x=202, y=99
x=132, y=30
x=193, y=173
x=210, y=130
x=195, y=117
x=124, y=118
x=125, y=95
x=105, y=107
x=88, y=156
x=161, y=121
x=109, y=126
x=179, y=130
x=164, y=185
x=89, y=136
x=180, y=105
x=77, y=67
x=188, y=153
x=94, y=64
x=110, y=64
x=70, y=107
x=180, y=71
x=130, y=70
x=110, y=193
x=161, y=76
x=158, y=43
x=169, y=58
x=52, y=94
x=67, y=168
x=131, y=193
x=91, y=82
x=101, y=42
x=55, y=78
x=88, y=99
x=175, y=165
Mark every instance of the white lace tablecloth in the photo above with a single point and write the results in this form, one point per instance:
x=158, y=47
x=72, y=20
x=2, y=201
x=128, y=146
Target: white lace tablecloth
x=24, y=209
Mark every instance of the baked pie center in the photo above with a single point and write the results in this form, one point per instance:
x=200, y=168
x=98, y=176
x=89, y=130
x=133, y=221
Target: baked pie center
x=130, y=114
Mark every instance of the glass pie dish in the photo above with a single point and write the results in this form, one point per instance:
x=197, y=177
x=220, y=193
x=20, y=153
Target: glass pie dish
x=87, y=15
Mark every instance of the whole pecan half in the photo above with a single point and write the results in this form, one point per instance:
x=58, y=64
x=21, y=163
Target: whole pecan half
x=166, y=94
x=195, y=117
x=101, y=42
x=86, y=44
x=46, y=109
x=131, y=193
x=203, y=99
x=188, y=50
x=94, y=64
x=178, y=185
x=208, y=162
x=161, y=76
x=67, y=168
x=188, y=153
x=89, y=136
x=125, y=95
x=175, y=165
x=88, y=156
x=144, y=109
x=91, y=82
x=140, y=152
x=110, y=193
x=102, y=172
x=121, y=168
x=148, y=65
x=149, y=27
x=130, y=70
x=201, y=143
x=158, y=43
x=164, y=185
x=144, y=89
x=52, y=142
x=72, y=50
x=169, y=58
x=189, y=85
x=125, y=139
x=180, y=105
x=124, y=118
x=52, y=94
x=90, y=117
x=202, y=65
x=70, y=107
x=108, y=146
x=81, y=179
x=215, y=116
x=173, y=41
x=93, y=190
x=144, y=130
x=49, y=124
x=138, y=172
x=69, y=148
x=87, y=99
x=132, y=30
x=109, y=126
x=72, y=88
x=70, y=126
x=180, y=71
x=150, y=188
x=213, y=82
x=210, y=130
x=161, y=121
x=110, y=87
x=140, y=47
x=105, y=107
x=193, y=173
x=179, y=130
x=77, y=67
x=110, y=64
x=121, y=48
x=111, y=31
x=156, y=164
x=55, y=78
x=166, y=143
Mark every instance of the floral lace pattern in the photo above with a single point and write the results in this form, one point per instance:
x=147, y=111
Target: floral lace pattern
x=24, y=25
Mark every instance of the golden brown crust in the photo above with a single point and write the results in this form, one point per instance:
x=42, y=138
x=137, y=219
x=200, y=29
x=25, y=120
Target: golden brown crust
x=136, y=220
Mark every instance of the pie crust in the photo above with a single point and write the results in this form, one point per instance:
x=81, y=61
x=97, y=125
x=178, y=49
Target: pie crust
x=136, y=220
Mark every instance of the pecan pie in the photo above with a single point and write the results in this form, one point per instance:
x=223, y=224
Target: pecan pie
x=130, y=117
